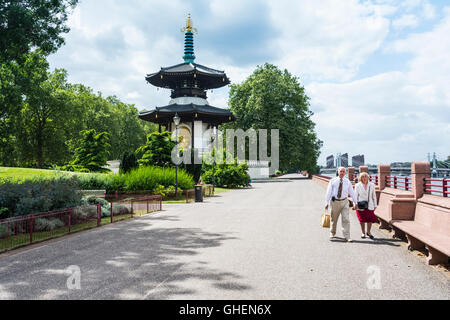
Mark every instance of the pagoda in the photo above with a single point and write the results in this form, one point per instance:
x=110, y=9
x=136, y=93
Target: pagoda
x=189, y=83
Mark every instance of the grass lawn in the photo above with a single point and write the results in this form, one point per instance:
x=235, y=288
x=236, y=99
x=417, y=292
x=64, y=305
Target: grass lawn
x=24, y=173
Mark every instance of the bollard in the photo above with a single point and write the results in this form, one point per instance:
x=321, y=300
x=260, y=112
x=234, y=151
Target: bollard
x=131, y=208
x=99, y=215
x=445, y=188
x=70, y=220
x=31, y=229
x=112, y=213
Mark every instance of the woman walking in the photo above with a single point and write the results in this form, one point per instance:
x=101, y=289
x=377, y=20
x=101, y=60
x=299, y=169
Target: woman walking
x=367, y=203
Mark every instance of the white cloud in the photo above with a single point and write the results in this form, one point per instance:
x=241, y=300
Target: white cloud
x=429, y=11
x=407, y=20
x=327, y=40
x=407, y=114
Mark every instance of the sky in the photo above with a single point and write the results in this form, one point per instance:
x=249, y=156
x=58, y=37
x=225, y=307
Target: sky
x=377, y=71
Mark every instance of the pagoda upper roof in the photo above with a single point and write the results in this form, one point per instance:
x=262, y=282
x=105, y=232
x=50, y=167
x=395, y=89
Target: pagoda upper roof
x=188, y=112
x=173, y=77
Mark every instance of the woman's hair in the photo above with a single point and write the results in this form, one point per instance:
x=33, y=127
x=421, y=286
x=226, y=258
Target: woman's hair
x=364, y=174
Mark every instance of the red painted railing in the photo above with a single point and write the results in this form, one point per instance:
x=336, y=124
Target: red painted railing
x=433, y=187
x=374, y=179
x=402, y=183
x=25, y=230
x=189, y=195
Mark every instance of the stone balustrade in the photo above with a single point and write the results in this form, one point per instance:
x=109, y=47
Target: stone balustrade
x=421, y=219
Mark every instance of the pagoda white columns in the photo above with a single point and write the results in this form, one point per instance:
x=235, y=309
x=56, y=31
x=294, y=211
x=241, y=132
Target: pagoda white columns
x=198, y=134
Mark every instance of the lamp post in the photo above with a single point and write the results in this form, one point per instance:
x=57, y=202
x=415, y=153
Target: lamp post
x=176, y=120
x=214, y=157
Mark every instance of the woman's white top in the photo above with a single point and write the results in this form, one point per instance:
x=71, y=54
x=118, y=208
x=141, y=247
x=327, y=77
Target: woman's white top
x=363, y=195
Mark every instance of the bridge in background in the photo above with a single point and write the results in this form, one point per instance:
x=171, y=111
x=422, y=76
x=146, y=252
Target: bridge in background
x=441, y=172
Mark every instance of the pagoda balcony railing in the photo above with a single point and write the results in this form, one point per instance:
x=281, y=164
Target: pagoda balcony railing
x=188, y=92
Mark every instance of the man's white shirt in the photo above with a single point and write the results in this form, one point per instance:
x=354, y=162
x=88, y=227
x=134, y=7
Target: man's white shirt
x=333, y=189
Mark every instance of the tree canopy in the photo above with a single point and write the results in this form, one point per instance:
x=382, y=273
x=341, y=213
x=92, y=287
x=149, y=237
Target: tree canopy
x=274, y=99
x=41, y=128
x=27, y=25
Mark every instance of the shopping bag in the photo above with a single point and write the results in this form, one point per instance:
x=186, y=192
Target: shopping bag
x=326, y=220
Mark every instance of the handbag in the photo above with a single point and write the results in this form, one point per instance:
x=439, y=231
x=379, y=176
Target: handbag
x=364, y=205
x=326, y=220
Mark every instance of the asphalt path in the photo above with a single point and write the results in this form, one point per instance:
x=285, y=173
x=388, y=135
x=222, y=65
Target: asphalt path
x=259, y=243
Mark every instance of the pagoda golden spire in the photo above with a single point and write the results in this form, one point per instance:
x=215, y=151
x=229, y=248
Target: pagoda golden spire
x=189, y=26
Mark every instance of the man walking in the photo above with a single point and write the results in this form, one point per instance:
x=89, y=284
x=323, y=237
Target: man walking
x=339, y=189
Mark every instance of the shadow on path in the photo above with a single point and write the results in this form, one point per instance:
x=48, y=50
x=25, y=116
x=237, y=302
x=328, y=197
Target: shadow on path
x=130, y=261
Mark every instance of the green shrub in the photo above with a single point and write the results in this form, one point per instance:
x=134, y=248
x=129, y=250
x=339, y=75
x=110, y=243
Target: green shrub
x=47, y=224
x=39, y=195
x=92, y=152
x=3, y=213
x=149, y=178
x=105, y=205
x=141, y=179
x=228, y=176
x=158, y=150
x=129, y=162
x=5, y=232
x=120, y=209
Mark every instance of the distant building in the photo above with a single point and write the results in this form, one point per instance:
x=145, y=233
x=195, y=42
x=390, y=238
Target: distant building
x=358, y=161
x=344, y=162
x=401, y=165
x=330, y=162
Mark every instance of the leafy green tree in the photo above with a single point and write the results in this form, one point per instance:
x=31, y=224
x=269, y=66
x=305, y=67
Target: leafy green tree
x=40, y=126
x=29, y=24
x=129, y=162
x=92, y=153
x=274, y=99
x=29, y=29
x=158, y=150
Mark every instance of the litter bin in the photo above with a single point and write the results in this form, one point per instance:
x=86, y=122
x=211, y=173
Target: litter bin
x=198, y=193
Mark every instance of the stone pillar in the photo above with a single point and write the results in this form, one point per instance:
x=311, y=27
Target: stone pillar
x=384, y=171
x=419, y=172
x=364, y=169
x=351, y=174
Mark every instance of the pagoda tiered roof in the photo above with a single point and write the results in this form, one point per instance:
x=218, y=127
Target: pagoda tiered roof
x=173, y=77
x=188, y=112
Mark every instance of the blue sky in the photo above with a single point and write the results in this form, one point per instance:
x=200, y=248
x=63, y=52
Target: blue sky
x=377, y=71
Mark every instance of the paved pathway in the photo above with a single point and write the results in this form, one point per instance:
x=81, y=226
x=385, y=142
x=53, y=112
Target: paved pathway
x=261, y=243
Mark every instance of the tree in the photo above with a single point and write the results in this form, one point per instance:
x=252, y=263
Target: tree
x=129, y=162
x=92, y=154
x=274, y=99
x=158, y=150
x=27, y=25
x=40, y=125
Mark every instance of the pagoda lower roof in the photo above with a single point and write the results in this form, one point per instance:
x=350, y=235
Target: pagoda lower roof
x=188, y=112
x=172, y=77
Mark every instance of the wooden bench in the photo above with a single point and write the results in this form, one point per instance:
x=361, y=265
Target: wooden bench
x=430, y=228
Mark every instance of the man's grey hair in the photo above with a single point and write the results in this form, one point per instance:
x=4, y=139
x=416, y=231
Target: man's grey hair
x=339, y=170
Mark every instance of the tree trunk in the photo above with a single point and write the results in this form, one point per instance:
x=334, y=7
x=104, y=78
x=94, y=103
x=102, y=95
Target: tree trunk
x=39, y=146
